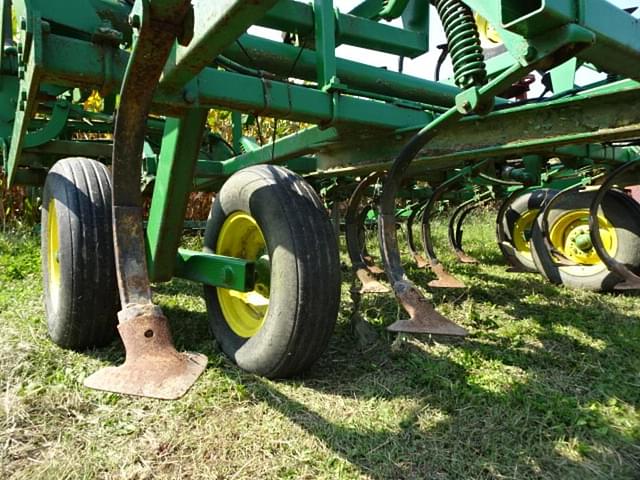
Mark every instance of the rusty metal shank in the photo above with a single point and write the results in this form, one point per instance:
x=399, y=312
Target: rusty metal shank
x=152, y=367
x=411, y=242
x=455, y=231
x=355, y=235
x=631, y=280
x=423, y=317
x=445, y=279
x=366, y=256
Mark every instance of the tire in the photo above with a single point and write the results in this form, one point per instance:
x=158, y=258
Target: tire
x=78, y=266
x=514, y=227
x=303, y=271
x=620, y=220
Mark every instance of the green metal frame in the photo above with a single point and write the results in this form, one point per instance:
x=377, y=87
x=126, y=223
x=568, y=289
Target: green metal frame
x=361, y=114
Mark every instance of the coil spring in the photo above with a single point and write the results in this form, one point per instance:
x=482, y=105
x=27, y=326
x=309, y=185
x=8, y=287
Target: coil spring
x=469, y=69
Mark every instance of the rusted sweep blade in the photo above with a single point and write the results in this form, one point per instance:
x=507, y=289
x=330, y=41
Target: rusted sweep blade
x=424, y=318
x=370, y=284
x=371, y=266
x=420, y=261
x=152, y=368
x=445, y=279
x=465, y=258
x=376, y=270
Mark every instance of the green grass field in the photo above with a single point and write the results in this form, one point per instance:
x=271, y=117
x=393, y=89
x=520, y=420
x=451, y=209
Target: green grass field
x=546, y=386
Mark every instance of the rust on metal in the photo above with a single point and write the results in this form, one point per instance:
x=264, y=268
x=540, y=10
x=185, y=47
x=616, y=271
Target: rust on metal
x=445, y=279
x=361, y=261
x=424, y=317
x=371, y=266
x=420, y=260
x=369, y=283
x=153, y=367
x=465, y=258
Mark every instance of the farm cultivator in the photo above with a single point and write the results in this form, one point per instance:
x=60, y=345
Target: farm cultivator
x=395, y=145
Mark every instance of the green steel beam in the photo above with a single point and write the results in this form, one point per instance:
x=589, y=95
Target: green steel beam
x=74, y=63
x=546, y=128
x=80, y=18
x=325, y=44
x=215, y=270
x=600, y=153
x=297, y=17
x=71, y=148
x=297, y=102
x=523, y=24
x=217, y=24
x=286, y=148
x=30, y=68
x=367, y=8
x=181, y=143
x=280, y=58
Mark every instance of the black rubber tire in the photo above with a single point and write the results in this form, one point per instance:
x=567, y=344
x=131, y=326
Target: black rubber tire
x=85, y=314
x=624, y=215
x=305, y=271
x=535, y=200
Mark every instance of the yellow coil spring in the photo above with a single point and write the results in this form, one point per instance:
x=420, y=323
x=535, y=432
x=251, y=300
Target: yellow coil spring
x=469, y=69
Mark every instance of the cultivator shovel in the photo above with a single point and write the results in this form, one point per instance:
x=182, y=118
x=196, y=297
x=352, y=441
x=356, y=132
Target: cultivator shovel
x=153, y=367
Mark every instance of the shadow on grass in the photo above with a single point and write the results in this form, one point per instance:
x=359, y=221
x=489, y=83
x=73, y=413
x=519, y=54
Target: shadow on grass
x=479, y=433
x=482, y=429
x=462, y=423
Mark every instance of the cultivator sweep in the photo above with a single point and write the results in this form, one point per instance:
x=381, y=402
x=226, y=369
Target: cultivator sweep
x=393, y=144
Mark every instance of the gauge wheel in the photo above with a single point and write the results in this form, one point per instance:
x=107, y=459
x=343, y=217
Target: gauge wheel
x=272, y=217
x=78, y=267
x=514, y=225
x=568, y=220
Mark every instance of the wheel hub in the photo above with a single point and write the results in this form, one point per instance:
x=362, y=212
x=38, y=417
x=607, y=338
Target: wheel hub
x=570, y=235
x=241, y=237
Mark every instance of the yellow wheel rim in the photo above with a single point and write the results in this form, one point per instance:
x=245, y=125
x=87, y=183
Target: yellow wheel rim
x=569, y=234
x=522, y=232
x=53, y=255
x=244, y=312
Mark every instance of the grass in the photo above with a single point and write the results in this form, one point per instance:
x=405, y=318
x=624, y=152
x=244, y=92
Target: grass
x=547, y=386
